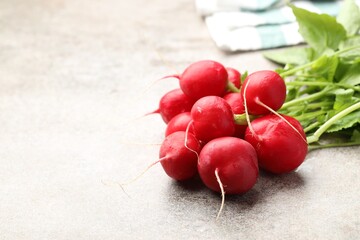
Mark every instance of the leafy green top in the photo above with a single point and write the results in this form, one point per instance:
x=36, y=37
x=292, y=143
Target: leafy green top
x=323, y=78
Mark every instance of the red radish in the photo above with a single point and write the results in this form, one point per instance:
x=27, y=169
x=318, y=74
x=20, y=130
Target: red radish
x=228, y=165
x=234, y=76
x=179, y=155
x=235, y=161
x=237, y=105
x=212, y=118
x=203, y=78
x=281, y=146
x=236, y=102
x=263, y=88
x=173, y=103
x=179, y=123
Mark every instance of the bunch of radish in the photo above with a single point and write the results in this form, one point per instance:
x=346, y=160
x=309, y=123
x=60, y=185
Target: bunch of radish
x=223, y=129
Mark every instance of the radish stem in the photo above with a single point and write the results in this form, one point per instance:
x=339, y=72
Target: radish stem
x=241, y=119
x=302, y=67
x=310, y=115
x=307, y=98
x=232, y=88
x=320, y=84
x=316, y=136
x=346, y=50
x=311, y=127
x=294, y=70
x=331, y=145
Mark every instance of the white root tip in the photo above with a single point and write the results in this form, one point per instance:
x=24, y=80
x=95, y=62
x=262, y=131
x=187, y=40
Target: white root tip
x=142, y=173
x=165, y=62
x=151, y=84
x=222, y=193
x=138, y=118
x=111, y=183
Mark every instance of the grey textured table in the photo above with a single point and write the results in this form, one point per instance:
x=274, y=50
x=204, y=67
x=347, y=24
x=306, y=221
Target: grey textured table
x=72, y=80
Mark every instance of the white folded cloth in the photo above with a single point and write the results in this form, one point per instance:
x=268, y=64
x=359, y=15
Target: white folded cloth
x=243, y=25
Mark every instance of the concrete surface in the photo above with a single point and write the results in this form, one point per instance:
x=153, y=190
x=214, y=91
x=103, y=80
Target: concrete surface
x=73, y=76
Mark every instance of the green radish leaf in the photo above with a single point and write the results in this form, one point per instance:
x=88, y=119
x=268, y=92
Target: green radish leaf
x=351, y=75
x=326, y=67
x=244, y=76
x=320, y=31
x=346, y=122
x=353, y=55
x=291, y=94
x=349, y=17
x=350, y=42
x=294, y=55
x=323, y=80
x=306, y=123
x=343, y=99
x=341, y=70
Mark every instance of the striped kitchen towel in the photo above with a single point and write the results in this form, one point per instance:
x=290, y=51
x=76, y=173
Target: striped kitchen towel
x=243, y=25
x=207, y=7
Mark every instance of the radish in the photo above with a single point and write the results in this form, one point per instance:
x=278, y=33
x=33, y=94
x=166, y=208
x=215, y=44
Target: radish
x=234, y=76
x=235, y=161
x=228, y=165
x=179, y=155
x=236, y=102
x=237, y=105
x=179, y=123
x=173, y=103
x=212, y=118
x=263, y=91
x=203, y=78
x=279, y=141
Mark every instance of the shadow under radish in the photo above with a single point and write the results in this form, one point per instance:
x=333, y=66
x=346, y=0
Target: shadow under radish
x=189, y=186
x=247, y=200
x=196, y=200
x=192, y=185
x=266, y=185
x=269, y=183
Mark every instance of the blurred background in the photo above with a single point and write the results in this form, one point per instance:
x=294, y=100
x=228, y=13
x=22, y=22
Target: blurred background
x=73, y=84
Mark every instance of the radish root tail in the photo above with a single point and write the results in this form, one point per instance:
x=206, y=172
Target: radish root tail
x=166, y=63
x=153, y=112
x=247, y=112
x=132, y=120
x=108, y=183
x=222, y=193
x=280, y=116
x=186, y=139
x=147, y=88
x=142, y=173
